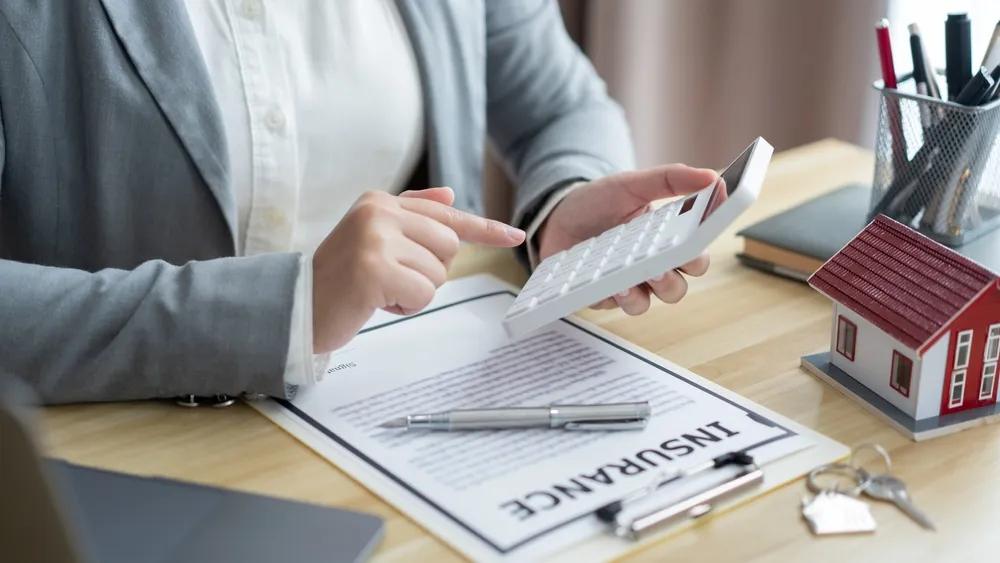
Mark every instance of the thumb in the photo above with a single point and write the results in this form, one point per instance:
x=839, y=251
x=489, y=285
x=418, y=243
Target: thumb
x=443, y=195
x=667, y=181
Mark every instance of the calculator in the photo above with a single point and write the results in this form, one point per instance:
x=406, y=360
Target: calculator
x=627, y=255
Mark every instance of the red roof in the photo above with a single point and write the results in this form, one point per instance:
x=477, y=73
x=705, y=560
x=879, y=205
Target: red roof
x=901, y=281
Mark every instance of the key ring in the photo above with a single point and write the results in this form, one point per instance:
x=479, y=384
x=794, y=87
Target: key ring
x=861, y=478
x=879, y=450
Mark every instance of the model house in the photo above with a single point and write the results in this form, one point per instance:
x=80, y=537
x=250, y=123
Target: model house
x=915, y=325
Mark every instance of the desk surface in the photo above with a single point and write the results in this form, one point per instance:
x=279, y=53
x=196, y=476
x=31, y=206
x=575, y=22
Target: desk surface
x=742, y=329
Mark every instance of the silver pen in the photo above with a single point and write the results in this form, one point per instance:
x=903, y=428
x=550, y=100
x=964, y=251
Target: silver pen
x=614, y=416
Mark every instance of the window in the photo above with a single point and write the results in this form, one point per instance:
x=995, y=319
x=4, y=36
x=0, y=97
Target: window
x=847, y=333
x=957, y=388
x=902, y=370
x=962, y=349
x=989, y=375
x=992, y=344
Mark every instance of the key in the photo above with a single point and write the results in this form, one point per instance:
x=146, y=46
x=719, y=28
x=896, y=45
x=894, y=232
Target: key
x=883, y=486
x=830, y=512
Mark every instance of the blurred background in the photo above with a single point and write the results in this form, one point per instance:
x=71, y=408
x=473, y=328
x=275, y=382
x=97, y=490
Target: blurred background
x=699, y=79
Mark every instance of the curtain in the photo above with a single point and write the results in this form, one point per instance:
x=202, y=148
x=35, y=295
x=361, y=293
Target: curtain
x=699, y=79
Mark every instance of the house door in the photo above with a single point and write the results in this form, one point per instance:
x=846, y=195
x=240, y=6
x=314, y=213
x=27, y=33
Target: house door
x=971, y=380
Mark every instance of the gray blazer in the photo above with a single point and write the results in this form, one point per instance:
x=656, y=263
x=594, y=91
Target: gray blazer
x=118, y=279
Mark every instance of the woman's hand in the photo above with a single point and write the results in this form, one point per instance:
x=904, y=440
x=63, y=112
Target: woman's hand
x=602, y=204
x=391, y=252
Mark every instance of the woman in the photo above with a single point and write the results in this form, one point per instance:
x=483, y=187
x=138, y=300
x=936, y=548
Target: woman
x=208, y=196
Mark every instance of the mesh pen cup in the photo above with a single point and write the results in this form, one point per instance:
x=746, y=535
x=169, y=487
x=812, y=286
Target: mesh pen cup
x=937, y=165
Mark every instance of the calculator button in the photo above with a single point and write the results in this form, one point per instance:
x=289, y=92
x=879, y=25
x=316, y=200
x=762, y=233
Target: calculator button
x=637, y=224
x=666, y=242
x=582, y=279
x=638, y=242
x=615, y=264
x=581, y=248
x=549, y=294
x=628, y=241
x=536, y=280
x=565, y=269
x=589, y=266
x=520, y=306
x=528, y=292
x=611, y=235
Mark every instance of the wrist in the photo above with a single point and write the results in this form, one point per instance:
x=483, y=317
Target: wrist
x=538, y=227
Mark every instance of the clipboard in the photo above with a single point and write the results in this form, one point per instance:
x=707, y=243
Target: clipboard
x=701, y=496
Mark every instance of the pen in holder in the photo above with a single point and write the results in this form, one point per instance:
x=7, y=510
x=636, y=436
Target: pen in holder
x=937, y=166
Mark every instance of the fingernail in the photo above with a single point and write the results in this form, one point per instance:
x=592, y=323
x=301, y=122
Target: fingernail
x=515, y=233
x=623, y=293
x=658, y=278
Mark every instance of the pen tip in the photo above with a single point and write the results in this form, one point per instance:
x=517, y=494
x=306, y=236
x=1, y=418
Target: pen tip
x=394, y=423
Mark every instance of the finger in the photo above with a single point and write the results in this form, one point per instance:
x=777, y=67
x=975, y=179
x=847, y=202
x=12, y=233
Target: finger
x=407, y=290
x=608, y=303
x=634, y=301
x=418, y=258
x=670, y=287
x=666, y=181
x=469, y=227
x=698, y=266
x=432, y=235
x=442, y=195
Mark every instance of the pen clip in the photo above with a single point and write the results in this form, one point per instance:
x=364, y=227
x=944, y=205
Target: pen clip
x=692, y=507
x=626, y=424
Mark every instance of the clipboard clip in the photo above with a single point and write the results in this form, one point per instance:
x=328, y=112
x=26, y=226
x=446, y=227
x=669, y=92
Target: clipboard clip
x=694, y=506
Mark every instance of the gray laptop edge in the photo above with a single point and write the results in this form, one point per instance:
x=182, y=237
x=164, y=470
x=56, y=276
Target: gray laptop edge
x=52, y=511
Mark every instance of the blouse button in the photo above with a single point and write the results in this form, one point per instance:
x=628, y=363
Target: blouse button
x=252, y=9
x=275, y=120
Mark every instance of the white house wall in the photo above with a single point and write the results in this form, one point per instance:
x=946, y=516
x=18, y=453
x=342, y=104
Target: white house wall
x=932, y=374
x=873, y=361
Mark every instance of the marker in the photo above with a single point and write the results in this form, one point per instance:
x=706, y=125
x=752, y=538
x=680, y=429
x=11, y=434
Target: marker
x=885, y=54
x=892, y=103
x=992, y=56
x=993, y=92
x=922, y=67
x=958, y=52
x=976, y=90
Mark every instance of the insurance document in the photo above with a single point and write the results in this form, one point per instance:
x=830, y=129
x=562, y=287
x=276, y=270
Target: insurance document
x=512, y=494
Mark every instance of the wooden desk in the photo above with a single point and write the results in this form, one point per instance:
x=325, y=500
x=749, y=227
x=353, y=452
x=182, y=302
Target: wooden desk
x=742, y=329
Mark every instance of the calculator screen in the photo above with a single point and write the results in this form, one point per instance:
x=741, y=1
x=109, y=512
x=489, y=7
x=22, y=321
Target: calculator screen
x=728, y=180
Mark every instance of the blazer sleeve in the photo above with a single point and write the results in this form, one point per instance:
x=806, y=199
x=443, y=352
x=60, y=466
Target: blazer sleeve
x=157, y=331
x=548, y=112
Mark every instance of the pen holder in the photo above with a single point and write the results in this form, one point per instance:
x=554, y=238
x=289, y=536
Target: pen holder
x=937, y=166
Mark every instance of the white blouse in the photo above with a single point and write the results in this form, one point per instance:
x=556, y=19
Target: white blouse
x=321, y=101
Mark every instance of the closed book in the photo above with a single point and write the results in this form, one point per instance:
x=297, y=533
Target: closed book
x=796, y=242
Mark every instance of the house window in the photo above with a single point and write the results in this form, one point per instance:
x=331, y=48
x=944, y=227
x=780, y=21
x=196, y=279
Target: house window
x=956, y=396
x=993, y=344
x=847, y=333
x=989, y=375
x=902, y=370
x=962, y=349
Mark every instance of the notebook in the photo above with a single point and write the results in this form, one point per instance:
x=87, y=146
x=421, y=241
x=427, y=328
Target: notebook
x=796, y=242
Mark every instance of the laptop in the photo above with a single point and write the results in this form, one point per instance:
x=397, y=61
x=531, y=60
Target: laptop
x=58, y=512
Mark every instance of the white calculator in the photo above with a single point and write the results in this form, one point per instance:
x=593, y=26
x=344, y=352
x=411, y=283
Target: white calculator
x=630, y=254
